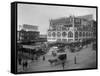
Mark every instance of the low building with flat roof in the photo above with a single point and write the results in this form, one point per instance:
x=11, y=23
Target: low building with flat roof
x=28, y=33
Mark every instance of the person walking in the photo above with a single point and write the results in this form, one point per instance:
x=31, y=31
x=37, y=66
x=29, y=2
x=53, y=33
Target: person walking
x=63, y=64
x=43, y=58
x=20, y=60
x=25, y=64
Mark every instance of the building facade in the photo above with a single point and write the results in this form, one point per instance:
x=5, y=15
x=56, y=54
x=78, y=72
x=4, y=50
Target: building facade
x=94, y=29
x=43, y=38
x=28, y=33
x=70, y=29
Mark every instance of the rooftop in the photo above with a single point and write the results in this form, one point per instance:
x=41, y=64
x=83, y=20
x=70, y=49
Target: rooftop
x=68, y=20
x=30, y=27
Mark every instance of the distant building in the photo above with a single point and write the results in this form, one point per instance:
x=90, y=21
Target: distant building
x=94, y=29
x=43, y=38
x=28, y=33
x=18, y=38
x=27, y=27
x=70, y=29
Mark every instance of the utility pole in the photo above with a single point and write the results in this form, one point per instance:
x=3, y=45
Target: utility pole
x=75, y=60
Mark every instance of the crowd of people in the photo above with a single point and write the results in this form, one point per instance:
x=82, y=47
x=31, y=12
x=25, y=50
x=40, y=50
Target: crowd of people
x=24, y=62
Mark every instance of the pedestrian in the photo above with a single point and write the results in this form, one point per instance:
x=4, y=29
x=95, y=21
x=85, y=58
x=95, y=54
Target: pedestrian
x=26, y=64
x=43, y=58
x=63, y=64
x=23, y=64
x=19, y=60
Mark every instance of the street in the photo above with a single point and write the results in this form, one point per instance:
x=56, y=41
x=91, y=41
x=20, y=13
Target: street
x=85, y=58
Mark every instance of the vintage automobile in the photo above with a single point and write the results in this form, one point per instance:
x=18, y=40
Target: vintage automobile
x=60, y=57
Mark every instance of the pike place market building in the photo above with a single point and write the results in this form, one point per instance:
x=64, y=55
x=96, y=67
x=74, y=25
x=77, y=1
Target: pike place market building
x=70, y=29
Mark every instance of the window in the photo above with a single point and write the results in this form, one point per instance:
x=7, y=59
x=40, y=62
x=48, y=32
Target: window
x=53, y=34
x=86, y=33
x=83, y=34
x=58, y=40
x=77, y=20
x=70, y=40
x=89, y=34
x=70, y=34
x=80, y=34
x=58, y=27
x=49, y=34
x=64, y=34
x=69, y=25
x=58, y=34
x=64, y=40
x=76, y=25
x=76, y=34
x=63, y=28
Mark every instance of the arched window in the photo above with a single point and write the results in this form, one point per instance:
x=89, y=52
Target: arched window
x=64, y=34
x=49, y=34
x=80, y=34
x=76, y=34
x=89, y=34
x=70, y=34
x=58, y=34
x=86, y=33
x=53, y=34
x=83, y=34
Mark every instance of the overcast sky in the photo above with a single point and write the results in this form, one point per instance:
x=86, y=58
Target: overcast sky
x=40, y=15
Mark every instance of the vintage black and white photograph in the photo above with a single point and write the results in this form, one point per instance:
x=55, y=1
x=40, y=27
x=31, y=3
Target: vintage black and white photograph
x=53, y=37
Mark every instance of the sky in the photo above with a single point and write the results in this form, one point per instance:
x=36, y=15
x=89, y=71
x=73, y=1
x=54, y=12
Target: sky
x=39, y=15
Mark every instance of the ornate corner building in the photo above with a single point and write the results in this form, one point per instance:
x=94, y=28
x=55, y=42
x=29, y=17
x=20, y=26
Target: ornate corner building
x=70, y=29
